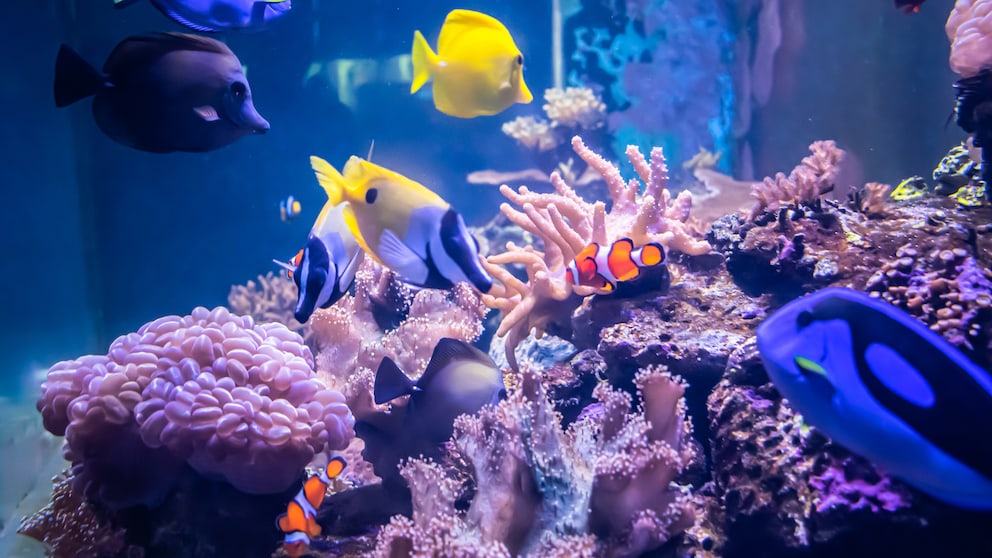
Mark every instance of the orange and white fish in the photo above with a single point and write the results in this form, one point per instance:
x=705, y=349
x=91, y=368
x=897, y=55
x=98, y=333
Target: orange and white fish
x=602, y=267
x=299, y=523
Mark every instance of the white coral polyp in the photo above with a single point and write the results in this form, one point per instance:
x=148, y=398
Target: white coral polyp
x=238, y=401
x=969, y=28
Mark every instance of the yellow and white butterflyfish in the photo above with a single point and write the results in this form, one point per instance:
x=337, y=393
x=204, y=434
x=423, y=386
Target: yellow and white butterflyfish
x=404, y=225
x=477, y=69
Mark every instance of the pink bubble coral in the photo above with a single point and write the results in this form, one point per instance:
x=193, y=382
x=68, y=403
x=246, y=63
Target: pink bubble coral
x=234, y=399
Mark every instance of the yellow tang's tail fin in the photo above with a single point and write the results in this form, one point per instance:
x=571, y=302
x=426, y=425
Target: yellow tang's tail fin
x=424, y=61
x=330, y=180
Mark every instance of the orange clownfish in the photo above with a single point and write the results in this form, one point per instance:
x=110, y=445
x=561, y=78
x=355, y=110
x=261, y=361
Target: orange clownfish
x=603, y=267
x=299, y=523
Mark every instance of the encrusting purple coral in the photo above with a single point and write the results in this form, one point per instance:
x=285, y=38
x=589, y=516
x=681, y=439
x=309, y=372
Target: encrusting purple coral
x=233, y=399
x=607, y=484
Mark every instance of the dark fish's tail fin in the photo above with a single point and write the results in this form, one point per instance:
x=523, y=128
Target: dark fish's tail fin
x=390, y=382
x=75, y=78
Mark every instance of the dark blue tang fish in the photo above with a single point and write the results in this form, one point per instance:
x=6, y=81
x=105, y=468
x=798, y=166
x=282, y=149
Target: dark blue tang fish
x=883, y=385
x=220, y=15
x=164, y=92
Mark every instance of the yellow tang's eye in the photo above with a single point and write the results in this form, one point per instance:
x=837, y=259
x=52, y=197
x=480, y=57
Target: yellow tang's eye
x=520, y=60
x=810, y=366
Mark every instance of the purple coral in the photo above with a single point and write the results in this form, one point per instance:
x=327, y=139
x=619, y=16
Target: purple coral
x=234, y=399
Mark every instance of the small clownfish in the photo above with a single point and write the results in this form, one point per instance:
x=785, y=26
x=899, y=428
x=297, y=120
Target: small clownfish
x=290, y=266
x=299, y=523
x=909, y=6
x=602, y=268
x=289, y=209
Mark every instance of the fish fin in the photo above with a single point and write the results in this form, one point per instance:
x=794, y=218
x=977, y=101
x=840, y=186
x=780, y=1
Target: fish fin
x=187, y=23
x=330, y=180
x=134, y=54
x=288, y=267
x=424, y=61
x=348, y=214
x=207, y=113
x=459, y=22
x=450, y=350
x=335, y=466
x=401, y=259
x=347, y=275
x=123, y=3
x=390, y=382
x=75, y=78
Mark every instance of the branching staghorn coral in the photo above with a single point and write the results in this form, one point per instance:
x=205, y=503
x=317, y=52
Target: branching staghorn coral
x=606, y=485
x=812, y=178
x=567, y=224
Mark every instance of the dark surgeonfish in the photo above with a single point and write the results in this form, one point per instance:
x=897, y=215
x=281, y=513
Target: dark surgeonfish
x=886, y=387
x=325, y=268
x=164, y=92
x=459, y=379
x=220, y=15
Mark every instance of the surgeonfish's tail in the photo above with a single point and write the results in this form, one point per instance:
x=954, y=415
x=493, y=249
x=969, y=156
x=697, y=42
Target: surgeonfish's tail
x=424, y=61
x=75, y=78
x=330, y=179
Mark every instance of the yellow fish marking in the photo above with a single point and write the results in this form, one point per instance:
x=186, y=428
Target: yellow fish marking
x=477, y=70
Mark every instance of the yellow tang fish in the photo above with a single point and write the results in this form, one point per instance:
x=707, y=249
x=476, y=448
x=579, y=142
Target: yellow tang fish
x=403, y=225
x=478, y=69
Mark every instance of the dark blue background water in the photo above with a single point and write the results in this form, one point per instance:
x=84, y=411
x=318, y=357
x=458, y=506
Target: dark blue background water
x=99, y=238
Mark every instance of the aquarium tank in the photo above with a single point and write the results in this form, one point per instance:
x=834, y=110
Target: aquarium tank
x=544, y=278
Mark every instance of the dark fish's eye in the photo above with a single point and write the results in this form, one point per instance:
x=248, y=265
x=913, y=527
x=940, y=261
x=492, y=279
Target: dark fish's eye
x=804, y=319
x=520, y=60
x=370, y=195
x=238, y=89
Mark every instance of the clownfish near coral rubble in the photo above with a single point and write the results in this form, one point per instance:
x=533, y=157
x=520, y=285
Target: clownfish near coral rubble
x=602, y=267
x=299, y=523
x=883, y=385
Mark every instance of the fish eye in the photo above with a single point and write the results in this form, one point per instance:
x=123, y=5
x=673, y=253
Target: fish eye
x=520, y=60
x=238, y=89
x=804, y=319
x=370, y=195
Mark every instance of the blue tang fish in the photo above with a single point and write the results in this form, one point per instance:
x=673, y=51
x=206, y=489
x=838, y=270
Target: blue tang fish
x=325, y=268
x=886, y=387
x=220, y=15
x=164, y=92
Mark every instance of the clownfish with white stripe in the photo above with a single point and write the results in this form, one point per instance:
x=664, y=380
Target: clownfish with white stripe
x=602, y=267
x=299, y=523
x=289, y=209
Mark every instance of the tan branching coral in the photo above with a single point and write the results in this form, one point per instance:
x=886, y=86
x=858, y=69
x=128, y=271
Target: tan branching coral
x=812, y=178
x=566, y=223
x=574, y=107
x=271, y=299
x=873, y=199
x=607, y=484
x=532, y=133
